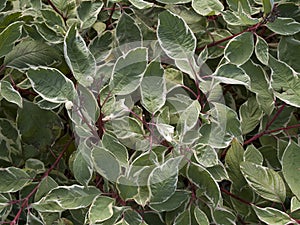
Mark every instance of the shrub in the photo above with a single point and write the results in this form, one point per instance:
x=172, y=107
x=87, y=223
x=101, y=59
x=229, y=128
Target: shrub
x=149, y=112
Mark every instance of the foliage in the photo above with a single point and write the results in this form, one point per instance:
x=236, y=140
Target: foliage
x=149, y=112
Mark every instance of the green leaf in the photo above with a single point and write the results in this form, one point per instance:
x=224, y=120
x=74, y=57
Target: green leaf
x=83, y=164
x=265, y=181
x=46, y=185
x=260, y=85
x=128, y=71
x=8, y=37
x=289, y=52
x=262, y=50
x=30, y=53
x=79, y=58
x=68, y=197
x=175, y=37
x=223, y=127
x=140, y=4
x=101, y=209
x=290, y=167
x=284, y=26
x=128, y=33
x=66, y=7
x=88, y=12
x=172, y=203
x=10, y=141
x=206, y=155
x=231, y=74
x=113, y=145
x=163, y=180
x=200, y=216
x=3, y=4
x=268, y=6
x=295, y=204
x=233, y=159
x=106, y=164
x=233, y=51
x=13, y=179
x=207, y=7
x=253, y=155
x=51, y=84
x=10, y=94
x=223, y=216
x=100, y=47
x=205, y=183
x=47, y=131
x=153, y=87
x=272, y=216
x=183, y=218
x=285, y=82
x=36, y=165
x=174, y=1
x=5, y=208
x=189, y=117
x=33, y=220
x=250, y=114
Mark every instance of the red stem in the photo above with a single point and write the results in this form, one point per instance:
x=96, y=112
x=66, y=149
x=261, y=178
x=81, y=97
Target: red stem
x=249, y=29
x=58, y=11
x=266, y=131
x=46, y=174
x=235, y=197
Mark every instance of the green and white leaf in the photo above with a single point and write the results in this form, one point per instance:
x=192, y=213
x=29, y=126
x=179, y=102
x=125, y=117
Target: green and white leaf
x=231, y=74
x=163, y=179
x=83, y=164
x=13, y=179
x=265, y=181
x=106, y=163
x=128, y=71
x=79, y=58
x=8, y=37
x=262, y=50
x=284, y=26
x=200, y=216
x=233, y=51
x=260, y=84
x=250, y=115
x=10, y=94
x=207, y=186
x=68, y=197
x=285, y=82
x=175, y=37
x=87, y=12
x=153, y=87
x=128, y=33
x=101, y=209
x=51, y=84
x=291, y=166
x=207, y=7
x=31, y=53
x=272, y=216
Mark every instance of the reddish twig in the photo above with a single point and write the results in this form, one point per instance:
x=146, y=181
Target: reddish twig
x=46, y=174
x=267, y=131
x=235, y=197
x=214, y=43
x=58, y=11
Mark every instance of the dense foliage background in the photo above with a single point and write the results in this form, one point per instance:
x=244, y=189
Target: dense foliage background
x=149, y=112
